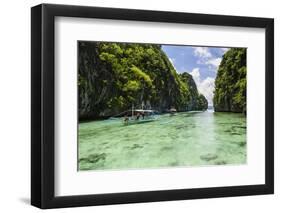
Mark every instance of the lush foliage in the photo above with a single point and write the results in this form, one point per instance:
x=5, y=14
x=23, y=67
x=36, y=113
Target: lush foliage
x=231, y=83
x=113, y=76
x=196, y=101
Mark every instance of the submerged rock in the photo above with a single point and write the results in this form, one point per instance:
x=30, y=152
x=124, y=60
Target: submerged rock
x=181, y=126
x=166, y=148
x=175, y=163
x=242, y=143
x=208, y=157
x=93, y=158
x=136, y=146
x=235, y=133
x=220, y=162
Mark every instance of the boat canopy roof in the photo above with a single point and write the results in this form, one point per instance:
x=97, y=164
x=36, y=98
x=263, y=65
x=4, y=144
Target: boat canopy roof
x=143, y=110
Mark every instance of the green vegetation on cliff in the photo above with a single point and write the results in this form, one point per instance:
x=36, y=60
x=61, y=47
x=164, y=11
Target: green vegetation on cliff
x=197, y=101
x=230, y=83
x=113, y=76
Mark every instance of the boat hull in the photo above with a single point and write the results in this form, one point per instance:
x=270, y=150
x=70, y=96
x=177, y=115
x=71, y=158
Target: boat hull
x=131, y=122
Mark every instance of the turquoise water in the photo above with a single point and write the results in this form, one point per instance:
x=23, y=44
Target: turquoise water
x=186, y=139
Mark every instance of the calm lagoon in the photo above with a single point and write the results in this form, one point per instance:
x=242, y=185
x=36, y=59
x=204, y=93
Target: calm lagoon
x=186, y=139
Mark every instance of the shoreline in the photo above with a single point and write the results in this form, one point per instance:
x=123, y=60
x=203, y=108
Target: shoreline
x=104, y=118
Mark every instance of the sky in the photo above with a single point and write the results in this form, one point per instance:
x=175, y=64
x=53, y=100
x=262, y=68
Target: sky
x=201, y=62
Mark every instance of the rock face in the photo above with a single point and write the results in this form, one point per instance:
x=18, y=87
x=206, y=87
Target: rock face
x=114, y=76
x=197, y=101
x=231, y=83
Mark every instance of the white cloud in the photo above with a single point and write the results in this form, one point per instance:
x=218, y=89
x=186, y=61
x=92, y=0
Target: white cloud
x=214, y=62
x=206, y=86
x=202, y=52
x=196, y=75
x=205, y=57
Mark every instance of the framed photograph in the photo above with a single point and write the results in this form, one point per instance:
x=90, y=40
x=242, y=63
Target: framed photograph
x=139, y=106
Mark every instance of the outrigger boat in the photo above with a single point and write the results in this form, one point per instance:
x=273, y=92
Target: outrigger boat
x=140, y=116
x=137, y=116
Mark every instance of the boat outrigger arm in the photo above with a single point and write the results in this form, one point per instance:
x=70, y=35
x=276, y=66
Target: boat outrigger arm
x=140, y=116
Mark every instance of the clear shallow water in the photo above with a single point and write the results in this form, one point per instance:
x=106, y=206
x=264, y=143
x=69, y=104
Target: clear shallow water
x=186, y=139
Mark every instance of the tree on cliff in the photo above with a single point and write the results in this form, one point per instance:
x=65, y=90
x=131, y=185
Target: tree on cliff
x=231, y=83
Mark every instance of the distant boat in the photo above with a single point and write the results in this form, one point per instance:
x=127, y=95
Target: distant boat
x=172, y=111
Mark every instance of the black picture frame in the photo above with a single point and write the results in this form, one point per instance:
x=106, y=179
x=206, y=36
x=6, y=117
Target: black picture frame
x=43, y=102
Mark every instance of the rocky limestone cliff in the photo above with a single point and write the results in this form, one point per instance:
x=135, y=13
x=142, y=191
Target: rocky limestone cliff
x=231, y=83
x=113, y=76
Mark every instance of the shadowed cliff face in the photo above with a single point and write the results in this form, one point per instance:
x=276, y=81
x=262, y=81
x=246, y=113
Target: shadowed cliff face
x=197, y=101
x=231, y=83
x=113, y=76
